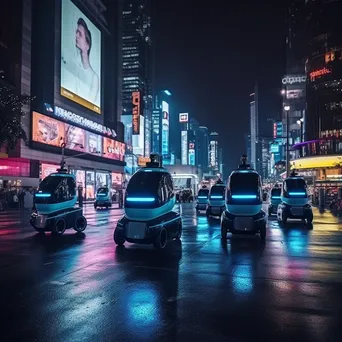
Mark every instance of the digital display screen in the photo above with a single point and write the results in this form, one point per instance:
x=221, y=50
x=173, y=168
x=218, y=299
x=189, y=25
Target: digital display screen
x=47, y=169
x=165, y=128
x=184, y=147
x=80, y=58
x=46, y=130
x=113, y=149
x=93, y=143
x=74, y=138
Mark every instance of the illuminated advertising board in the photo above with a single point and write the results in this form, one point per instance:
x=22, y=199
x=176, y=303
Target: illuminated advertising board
x=274, y=130
x=183, y=117
x=319, y=73
x=80, y=58
x=213, y=155
x=279, y=132
x=136, y=113
x=49, y=131
x=47, y=169
x=274, y=148
x=93, y=143
x=74, y=138
x=293, y=79
x=138, y=141
x=113, y=149
x=192, y=154
x=184, y=147
x=165, y=128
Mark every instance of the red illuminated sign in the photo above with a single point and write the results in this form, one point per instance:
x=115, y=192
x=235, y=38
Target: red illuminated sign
x=136, y=113
x=274, y=130
x=318, y=73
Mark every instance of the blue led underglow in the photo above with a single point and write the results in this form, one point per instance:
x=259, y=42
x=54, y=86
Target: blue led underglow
x=297, y=193
x=244, y=196
x=140, y=199
x=43, y=195
x=276, y=197
x=216, y=197
x=202, y=196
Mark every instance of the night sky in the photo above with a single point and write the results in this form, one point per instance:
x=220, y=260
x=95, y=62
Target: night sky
x=209, y=57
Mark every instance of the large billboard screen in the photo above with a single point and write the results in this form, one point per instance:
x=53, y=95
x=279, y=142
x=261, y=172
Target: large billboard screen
x=46, y=130
x=165, y=128
x=184, y=147
x=80, y=58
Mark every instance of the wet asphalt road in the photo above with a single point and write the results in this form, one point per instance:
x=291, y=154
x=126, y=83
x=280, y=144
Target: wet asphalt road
x=84, y=288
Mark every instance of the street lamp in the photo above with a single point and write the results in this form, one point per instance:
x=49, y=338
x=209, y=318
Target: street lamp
x=287, y=109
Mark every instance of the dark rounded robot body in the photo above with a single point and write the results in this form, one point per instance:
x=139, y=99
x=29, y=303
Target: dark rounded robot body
x=54, y=204
x=149, y=217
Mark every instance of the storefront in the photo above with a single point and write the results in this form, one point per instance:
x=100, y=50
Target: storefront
x=325, y=173
x=89, y=180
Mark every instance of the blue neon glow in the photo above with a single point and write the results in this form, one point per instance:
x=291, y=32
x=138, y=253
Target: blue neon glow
x=276, y=197
x=140, y=199
x=216, y=197
x=244, y=196
x=204, y=197
x=101, y=194
x=147, y=170
x=43, y=195
x=297, y=193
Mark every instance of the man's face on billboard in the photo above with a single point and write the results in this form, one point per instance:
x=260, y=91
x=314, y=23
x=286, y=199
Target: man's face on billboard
x=81, y=41
x=43, y=132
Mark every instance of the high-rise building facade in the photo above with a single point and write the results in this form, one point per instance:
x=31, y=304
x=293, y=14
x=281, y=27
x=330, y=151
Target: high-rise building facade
x=137, y=72
x=254, y=128
x=203, y=148
x=294, y=80
x=162, y=121
x=324, y=68
x=68, y=115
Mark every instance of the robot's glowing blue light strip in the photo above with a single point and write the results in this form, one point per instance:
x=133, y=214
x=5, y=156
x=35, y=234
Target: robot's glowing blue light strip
x=276, y=197
x=202, y=196
x=216, y=197
x=101, y=194
x=297, y=193
x=43, y=195
x=140, y=199
x=244, y=196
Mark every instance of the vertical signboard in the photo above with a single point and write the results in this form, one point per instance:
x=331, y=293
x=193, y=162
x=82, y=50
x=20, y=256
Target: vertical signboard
x=213, y=155
x=192, y=154
x=184, y=147
x=136, y=113
x=165, y=128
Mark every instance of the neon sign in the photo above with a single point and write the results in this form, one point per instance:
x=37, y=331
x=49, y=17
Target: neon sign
x=293, y=79
x=318, y=73
x=136, y=113
x=183, y=117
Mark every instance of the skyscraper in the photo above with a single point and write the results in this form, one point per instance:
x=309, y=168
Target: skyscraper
x=294, y=79
x=324, y=68
x=254, y=127
x=137, y=65
x=203, y=148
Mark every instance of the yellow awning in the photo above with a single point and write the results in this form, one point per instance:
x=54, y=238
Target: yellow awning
x=316, y=162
